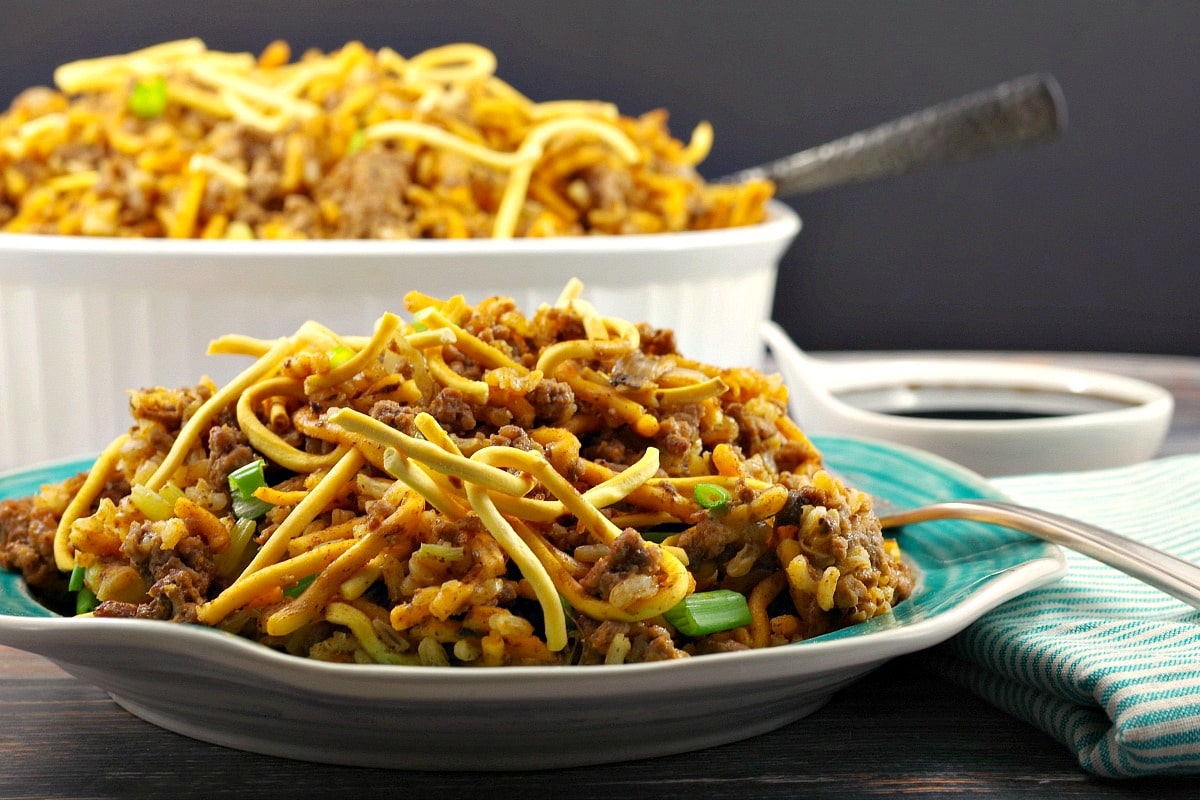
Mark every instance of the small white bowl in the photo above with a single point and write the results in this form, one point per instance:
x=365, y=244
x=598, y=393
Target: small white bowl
x=995, y=417
x=85, y=319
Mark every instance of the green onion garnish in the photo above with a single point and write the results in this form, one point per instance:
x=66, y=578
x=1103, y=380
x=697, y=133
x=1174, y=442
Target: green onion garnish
x=709, y=612
x=357, y=140
x=242, y=483
x=148, y=98
x=85, y=598
x=420, y=317
x=85, y=601
x=712, y=496
x=239, y=540
x=297, y=589
x=339, y=355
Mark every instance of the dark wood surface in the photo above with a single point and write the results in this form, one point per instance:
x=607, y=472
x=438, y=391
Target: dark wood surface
x=899, y=732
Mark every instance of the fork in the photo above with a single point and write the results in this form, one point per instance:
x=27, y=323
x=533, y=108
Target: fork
x=1170, y=574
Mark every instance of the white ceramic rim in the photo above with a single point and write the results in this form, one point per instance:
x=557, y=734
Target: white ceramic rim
x=1144, y=401
x=781, y=224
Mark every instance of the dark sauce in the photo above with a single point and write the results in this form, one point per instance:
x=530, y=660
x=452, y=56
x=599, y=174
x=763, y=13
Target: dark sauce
x=967, y=403
x=971, y=414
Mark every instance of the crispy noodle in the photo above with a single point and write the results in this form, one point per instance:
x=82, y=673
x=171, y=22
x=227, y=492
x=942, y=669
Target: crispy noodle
x=354, y=143
x=476, y=488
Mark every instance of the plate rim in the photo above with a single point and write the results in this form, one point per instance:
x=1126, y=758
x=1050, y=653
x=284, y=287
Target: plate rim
x=1045, y=565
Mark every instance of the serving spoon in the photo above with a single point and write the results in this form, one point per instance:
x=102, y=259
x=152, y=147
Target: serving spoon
x=1021, y=111
x=1175, y=576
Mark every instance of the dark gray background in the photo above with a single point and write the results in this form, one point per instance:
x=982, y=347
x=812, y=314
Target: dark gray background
x=1088, y=243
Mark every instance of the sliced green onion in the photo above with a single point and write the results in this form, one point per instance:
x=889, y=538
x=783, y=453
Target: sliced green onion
x=242, y=483
x=712, y=496
x=85, y=601
x=340, y=355
x=75, y=582
x=703, y=613
x=250, y=508
x=297, y=589
x=148, y=98
x=442, y=552
x=357, y=140
x=420, y=317
x=239, y=539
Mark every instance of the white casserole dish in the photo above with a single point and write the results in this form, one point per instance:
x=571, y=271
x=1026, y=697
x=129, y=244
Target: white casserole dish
x=83, y=320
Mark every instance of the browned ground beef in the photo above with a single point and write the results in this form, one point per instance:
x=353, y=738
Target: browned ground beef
x=368, y=190
x=228, y=450
x=178, y=577
x=627, y=555
x=27, y=540
x=553, y=402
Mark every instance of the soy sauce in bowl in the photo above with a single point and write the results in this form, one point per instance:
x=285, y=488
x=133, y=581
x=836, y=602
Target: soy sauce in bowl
x=975, y=403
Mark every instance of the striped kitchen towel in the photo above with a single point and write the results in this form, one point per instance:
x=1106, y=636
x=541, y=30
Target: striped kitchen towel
x=1102, y=662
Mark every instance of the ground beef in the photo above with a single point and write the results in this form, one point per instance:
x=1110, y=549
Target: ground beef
x=678, y=432
x=168, y=407
x=608, y=451
x=262, y=182
x=514, y=436
x=712, y=538
x=300, y=214
x=648, y=642
x=178, y=577
x=754, y=430
x=627, y=555
x=793, y=456
x=27, y=541
x=395, y=415
x=553, y=402
x=566, y=538
x=718, y=643
x=453, y=411
x=118, y=181
x=367, y=188
x=607, y=188
x=228, y=449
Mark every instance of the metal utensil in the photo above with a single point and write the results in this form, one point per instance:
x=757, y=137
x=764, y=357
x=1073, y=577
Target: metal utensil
x=1176, y=577
x=1020, y=111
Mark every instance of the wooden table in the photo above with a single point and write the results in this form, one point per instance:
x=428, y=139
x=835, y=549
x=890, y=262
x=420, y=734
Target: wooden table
x=899, y=732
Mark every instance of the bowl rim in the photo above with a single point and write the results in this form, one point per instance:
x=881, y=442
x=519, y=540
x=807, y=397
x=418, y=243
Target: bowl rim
x=781, y=224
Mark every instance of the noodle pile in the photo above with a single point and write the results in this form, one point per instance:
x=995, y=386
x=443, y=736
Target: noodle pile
x=180, y=141
x=470, y=487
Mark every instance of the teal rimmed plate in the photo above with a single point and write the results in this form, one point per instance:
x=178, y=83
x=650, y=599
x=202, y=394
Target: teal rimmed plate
x=223, y=689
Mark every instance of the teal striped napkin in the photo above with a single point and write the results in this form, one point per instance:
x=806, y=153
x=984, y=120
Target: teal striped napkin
x=1105, y=664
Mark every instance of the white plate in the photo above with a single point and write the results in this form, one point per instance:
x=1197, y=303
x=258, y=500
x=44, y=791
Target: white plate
x=219, y=688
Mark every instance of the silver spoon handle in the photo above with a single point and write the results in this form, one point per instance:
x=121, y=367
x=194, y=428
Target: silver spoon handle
x=1175, y=576
x=1021, y=111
